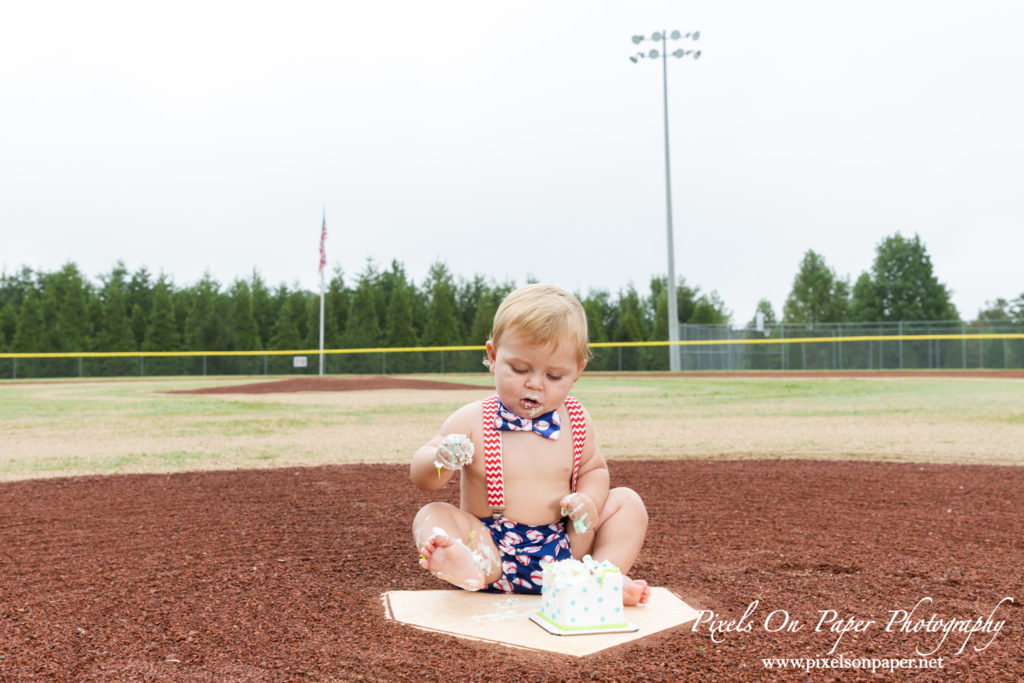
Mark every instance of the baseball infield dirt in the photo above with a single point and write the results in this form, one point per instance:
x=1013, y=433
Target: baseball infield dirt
x=277, y=575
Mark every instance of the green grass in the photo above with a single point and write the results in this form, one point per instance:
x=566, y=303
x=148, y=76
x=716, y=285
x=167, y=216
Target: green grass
x=172, y=460
x=51, y=428
x=806, y=397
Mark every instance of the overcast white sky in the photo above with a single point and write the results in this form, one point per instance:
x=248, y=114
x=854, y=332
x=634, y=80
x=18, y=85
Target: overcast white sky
x=514, y=138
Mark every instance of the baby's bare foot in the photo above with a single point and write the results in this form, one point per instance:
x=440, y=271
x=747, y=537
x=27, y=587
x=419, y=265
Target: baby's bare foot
x=452, y=561
x=635, y=591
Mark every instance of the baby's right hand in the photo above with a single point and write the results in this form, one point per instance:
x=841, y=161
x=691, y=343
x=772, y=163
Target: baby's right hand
x=454, y=452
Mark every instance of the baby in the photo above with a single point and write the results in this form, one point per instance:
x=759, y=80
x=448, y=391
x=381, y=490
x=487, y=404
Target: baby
x=534, y=486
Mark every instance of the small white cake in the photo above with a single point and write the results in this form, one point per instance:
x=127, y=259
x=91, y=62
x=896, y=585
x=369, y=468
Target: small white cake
x=582, y=597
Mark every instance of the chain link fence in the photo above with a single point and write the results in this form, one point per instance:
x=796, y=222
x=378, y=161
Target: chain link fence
x=855, y=346
x=823, y=347
x=298, y=362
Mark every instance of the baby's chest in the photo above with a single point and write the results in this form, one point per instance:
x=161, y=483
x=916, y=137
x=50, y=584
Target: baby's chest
x=529, y=457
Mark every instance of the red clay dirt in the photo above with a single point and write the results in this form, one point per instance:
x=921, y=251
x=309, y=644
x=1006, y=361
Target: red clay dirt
x=277, y=574
x=374, y=382
x=378, y=382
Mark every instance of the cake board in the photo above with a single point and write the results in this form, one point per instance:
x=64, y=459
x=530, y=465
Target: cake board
x=551, y=628
x=504, y=619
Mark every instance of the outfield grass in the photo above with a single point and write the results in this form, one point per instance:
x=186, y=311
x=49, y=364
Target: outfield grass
x=947, y=398
x=56, y=428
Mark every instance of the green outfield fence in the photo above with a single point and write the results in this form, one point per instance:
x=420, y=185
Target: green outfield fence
x=836, y=346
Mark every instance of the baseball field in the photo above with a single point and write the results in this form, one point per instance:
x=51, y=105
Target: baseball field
x=245, y=528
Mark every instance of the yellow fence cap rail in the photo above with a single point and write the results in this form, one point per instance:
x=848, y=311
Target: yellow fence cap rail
x=597, y=345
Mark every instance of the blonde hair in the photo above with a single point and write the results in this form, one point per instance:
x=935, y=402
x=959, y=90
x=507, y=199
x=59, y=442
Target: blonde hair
x=543, y=315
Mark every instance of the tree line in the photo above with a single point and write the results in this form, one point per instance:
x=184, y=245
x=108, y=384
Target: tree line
x=900, y=286
x=65, y=311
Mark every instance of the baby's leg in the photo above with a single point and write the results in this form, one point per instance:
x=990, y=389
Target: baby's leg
x=455, y=546
x=618, y=537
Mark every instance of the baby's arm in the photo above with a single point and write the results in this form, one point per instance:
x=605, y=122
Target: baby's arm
x=591, y=485
x=434, y=463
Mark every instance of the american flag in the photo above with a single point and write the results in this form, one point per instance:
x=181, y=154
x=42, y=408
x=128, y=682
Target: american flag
x=323, y=250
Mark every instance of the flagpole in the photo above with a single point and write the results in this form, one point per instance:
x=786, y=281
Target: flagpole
x=321, y=323
x=323, y=235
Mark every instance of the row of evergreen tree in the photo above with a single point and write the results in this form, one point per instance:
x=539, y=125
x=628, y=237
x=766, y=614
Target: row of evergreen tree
x=64, y=311
x=901, y=285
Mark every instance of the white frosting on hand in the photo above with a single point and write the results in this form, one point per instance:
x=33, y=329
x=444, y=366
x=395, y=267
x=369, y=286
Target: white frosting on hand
x=572, y=507
x=454, y=452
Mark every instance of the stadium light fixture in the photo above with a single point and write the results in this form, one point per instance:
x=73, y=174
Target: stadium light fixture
x=663, y=37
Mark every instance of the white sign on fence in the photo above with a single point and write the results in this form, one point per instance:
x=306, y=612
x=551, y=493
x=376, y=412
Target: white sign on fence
x=298, y=361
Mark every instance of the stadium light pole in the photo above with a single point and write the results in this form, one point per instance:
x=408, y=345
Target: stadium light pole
x=673, y=307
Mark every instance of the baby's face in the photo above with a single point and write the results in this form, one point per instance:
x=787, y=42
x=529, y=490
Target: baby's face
x=532, y=380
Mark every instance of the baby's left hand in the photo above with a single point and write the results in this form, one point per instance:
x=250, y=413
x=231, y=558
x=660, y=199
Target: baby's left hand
x=581, y=510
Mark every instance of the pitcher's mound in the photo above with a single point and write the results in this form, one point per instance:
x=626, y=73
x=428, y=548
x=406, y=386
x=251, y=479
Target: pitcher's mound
x=333, y=384
x=505, y=619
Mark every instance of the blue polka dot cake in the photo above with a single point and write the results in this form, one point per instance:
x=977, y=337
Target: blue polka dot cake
x=581, y=597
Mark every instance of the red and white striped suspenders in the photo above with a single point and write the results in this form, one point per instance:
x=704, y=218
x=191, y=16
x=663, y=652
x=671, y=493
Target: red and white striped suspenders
x=492, y=450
